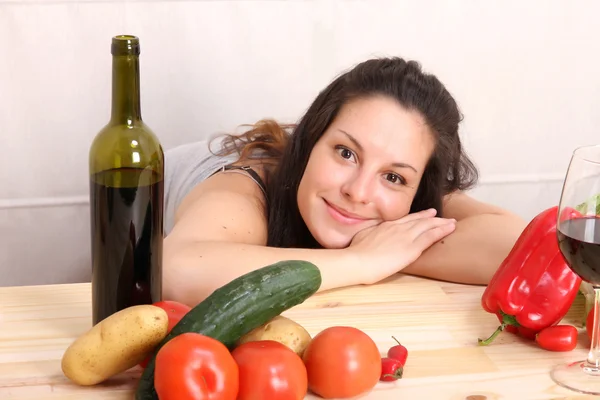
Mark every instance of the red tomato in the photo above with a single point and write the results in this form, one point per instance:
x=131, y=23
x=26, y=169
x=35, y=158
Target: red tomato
x=391, y=369
x=589, y=323
x=557, y=338
x=342, y=362
x=175, y=311
x=270, y=370
x=192, y=366
x=398, y=352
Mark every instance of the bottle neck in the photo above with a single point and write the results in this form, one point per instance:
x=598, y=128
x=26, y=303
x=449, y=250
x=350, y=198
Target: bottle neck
x=126, y=90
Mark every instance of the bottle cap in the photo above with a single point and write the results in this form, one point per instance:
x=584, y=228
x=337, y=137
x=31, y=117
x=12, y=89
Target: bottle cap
x=125, y=45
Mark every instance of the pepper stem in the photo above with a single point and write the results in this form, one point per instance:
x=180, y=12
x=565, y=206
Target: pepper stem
x=506, y=320
x=489, y=340
x=397, y=373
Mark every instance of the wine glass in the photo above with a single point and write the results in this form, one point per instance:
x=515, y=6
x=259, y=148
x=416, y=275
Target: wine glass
x=578, y=234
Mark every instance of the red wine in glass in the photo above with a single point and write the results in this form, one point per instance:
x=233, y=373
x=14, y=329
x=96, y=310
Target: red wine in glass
x=579, y=242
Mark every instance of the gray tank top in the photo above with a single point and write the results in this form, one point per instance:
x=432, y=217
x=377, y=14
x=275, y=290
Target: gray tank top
x=185, y=167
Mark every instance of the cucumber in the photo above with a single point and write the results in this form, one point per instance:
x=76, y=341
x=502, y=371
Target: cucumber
x=240, y=306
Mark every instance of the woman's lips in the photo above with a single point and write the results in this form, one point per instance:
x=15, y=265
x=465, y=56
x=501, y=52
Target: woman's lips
x=342, y=215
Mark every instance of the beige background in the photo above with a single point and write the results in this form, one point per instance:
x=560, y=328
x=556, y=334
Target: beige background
x=524, y=73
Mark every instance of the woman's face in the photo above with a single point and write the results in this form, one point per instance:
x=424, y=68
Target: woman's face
x=364, y=170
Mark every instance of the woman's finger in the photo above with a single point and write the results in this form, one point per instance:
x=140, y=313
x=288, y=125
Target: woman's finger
x=421, y=226
x=430, y=236
x=429, y=213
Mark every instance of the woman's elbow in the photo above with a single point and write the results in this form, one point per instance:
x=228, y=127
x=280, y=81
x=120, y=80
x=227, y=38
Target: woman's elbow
x=509, y=228
x=179, y=282
x=512, y=227
x=174, y=288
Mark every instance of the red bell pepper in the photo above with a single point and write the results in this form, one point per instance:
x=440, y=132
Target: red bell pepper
x=534, y=287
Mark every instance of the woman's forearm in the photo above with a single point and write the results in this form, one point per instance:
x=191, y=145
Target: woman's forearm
x=473, y=252
x=193, y=270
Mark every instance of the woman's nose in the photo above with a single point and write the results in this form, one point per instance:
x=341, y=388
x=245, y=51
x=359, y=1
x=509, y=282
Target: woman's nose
x=358, y=189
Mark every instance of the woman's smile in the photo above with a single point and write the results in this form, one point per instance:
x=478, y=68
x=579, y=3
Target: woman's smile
x=342, y=216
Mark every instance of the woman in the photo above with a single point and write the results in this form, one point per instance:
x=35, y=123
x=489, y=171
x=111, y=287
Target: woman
x=369, y=183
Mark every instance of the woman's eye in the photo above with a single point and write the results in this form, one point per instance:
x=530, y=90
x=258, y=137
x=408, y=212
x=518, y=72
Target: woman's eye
x=395, y=179
x=345, y=152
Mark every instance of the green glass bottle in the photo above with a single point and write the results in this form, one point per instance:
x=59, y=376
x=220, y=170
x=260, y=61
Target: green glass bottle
x=126, y=196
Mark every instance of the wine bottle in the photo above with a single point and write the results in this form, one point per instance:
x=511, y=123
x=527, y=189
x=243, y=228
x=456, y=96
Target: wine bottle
x=126, y=167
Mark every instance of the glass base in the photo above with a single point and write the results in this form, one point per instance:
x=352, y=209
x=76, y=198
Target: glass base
x=577, y=376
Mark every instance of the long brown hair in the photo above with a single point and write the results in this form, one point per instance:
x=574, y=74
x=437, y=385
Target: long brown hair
x=285, y=149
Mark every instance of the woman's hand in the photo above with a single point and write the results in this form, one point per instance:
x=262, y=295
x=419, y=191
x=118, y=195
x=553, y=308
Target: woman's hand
x=387, y=248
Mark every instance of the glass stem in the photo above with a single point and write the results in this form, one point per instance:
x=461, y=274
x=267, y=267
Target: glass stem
x=593, y=359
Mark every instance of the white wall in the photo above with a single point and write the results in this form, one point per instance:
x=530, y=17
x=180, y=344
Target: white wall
x=524, y=73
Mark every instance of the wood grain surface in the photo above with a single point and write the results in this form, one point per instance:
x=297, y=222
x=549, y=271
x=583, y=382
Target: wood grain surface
x=438, y=322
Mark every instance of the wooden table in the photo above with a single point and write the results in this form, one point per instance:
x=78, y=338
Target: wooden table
x=438, y=322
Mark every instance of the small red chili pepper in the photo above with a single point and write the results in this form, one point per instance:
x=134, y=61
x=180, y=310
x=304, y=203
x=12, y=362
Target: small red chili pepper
x=391, y=369
x=398, y=352
x=557, y=338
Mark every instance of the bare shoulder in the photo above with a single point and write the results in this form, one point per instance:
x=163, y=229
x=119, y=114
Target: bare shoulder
x=228, y=206
x=459, y=205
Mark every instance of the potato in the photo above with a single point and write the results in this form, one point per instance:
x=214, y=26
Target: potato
x=115, y=344
x=282, y=330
